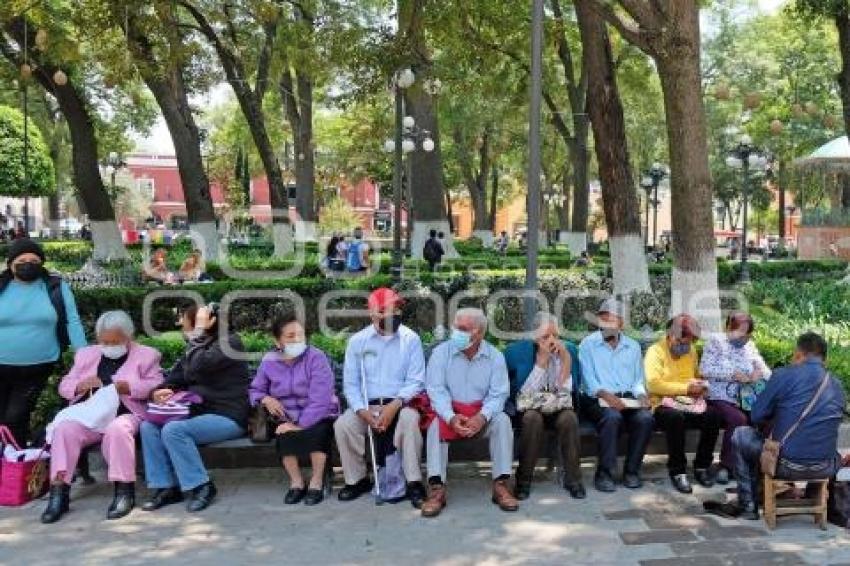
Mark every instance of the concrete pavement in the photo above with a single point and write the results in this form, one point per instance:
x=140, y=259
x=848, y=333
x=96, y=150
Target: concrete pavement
x=249, y=524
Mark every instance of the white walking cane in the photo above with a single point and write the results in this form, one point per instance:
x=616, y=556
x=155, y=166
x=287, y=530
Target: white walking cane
x=378, y=499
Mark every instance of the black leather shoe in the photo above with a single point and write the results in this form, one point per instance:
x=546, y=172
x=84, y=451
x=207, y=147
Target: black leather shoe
x=123, y=501
x=202, y=497
x=294, y=495
x=721, y=475
x=522, y=490
x=576, y=490
x=313, y=497
x=632, y=481
x=416, y=493
x=704, y=478
x=681, y=483
x=352, y=492
x=604, y=483
x=749, y=511
x=162, y=497
x=57, y=503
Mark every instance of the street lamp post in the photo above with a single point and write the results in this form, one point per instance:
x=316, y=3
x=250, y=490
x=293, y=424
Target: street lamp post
x=650, y=182
x=405, y=141
x=535, y=165
x=745, y=156
x=552, y=198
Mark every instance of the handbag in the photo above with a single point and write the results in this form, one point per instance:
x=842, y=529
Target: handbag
x=685, y=404
x=21, y=481
x=260, y=425
x=547, y=402
x=177, y=408
x=770, y=450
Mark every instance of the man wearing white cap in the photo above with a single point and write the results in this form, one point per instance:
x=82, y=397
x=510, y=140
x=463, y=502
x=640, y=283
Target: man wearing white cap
x=614, y=396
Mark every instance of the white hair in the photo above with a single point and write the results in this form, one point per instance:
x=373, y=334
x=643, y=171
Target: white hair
x=544, y=318
x=477, y=315
x=115, y=320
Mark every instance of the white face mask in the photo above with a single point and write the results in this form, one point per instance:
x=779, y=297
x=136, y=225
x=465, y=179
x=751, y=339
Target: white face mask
x=114, y=352
x=294, y=349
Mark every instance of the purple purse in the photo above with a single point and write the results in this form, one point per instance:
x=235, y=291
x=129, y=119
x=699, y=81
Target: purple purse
x=175, y=409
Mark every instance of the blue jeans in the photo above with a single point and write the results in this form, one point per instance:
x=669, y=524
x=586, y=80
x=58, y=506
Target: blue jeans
x=171, y=452
x=747, y=444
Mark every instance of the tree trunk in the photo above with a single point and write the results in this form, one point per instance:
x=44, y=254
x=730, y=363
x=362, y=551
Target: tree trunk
x=108, y=244
x=251, y=103
x=427, y=166
x=782, y=180
x=695, y=272
x=619, y=196
x=581, y=187
x=167, y=84
x=494, y=200
x=298, y=104
x=842, y=23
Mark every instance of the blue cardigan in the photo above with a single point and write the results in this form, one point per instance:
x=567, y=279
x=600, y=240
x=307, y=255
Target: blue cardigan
x=519, y=358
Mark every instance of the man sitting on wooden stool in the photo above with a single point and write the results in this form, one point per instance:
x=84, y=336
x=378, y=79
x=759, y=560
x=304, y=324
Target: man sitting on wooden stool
x=808, y=438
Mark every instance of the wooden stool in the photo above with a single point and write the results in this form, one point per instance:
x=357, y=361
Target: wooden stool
x=810, y=506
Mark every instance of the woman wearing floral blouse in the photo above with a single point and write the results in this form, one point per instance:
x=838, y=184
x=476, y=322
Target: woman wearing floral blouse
x=730, y=361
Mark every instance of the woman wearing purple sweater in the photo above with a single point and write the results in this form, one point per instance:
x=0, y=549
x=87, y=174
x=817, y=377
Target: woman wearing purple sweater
x=295, y=384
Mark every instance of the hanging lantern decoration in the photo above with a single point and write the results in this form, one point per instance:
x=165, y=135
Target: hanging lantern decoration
x=830, y=122
x=60, y=78
x=776, y=127
x=26, y=71
x=797, y=110
x=812, y=109
x=722, y=92
x=41, y=39
x=752, y=100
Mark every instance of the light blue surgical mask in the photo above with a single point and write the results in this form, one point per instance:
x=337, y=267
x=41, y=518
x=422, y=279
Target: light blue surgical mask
x=460, y=340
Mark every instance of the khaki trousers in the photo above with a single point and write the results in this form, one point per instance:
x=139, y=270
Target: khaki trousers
x=350, y=432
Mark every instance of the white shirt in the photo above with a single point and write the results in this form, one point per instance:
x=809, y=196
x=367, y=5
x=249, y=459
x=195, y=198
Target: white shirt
x=394, y=367
x=548, y=379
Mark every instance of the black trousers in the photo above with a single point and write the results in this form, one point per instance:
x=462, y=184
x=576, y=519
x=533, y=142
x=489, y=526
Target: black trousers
x=20, y=387
x=636, y=423
x=675, y=423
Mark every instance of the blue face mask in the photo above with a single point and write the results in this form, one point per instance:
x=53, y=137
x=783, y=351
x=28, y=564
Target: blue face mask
x=680, y=349
x=738, y=342
x=460, y=339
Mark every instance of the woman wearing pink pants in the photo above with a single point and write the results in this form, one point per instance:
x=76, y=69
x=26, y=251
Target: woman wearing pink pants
x=134, y=370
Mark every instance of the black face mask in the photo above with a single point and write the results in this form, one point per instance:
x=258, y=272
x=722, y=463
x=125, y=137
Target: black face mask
x=391, y=323
x=28, y=271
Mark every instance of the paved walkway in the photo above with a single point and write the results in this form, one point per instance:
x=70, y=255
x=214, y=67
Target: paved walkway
x=250, y=525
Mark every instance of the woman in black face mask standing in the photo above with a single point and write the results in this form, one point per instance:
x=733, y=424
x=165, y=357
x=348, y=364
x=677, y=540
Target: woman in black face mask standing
x=38, y=320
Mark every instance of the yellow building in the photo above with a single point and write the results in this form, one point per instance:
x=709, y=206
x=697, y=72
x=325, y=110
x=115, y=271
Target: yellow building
x=511, y=217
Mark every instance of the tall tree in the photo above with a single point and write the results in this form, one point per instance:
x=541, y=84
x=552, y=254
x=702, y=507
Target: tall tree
x=669, y=31
x=427, y=167
x=296, y=91
x=156, y=41
x=222, y=25
x=619, y=197
x=81, y=125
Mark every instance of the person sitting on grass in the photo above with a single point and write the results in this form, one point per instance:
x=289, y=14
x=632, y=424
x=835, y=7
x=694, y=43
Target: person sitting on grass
x=193, y=269
x=467, y=383
x=808, y=441
x=295, y=384
x=156, y=269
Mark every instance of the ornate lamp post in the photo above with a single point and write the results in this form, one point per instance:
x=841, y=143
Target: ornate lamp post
x=745, y=156
x=649, y=182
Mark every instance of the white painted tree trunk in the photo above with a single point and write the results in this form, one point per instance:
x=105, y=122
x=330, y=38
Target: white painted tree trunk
x=486, y=237
x=282, y=238
x=306, y=231
x=628, y=262
x=108, y=244
x=421, y=233
x=696, y=293
x=205, y=237
x=575, y=241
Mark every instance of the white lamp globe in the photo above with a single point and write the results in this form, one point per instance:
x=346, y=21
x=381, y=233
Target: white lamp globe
x=389, y=146
x=428, y=145
x=408, y=122
x=407, y=146
x=405, y=78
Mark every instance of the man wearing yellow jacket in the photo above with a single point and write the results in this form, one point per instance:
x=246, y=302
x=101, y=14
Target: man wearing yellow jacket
x=678, y=397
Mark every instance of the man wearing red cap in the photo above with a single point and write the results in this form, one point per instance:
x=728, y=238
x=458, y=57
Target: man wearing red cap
x=388, y=356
